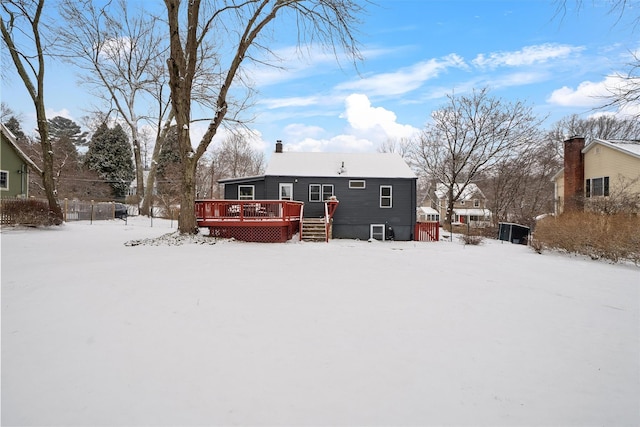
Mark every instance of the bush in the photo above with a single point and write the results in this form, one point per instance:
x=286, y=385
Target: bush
x=471, y=240
x=612, y=237
x=26, y=212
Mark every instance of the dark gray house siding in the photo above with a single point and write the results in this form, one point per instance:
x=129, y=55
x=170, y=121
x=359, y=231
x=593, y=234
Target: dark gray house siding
x=358, y=208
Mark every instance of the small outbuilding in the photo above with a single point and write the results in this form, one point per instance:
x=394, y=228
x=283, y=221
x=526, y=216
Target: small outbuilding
x=514, y=233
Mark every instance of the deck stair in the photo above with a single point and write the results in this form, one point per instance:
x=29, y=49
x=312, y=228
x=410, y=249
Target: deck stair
x=314, y=230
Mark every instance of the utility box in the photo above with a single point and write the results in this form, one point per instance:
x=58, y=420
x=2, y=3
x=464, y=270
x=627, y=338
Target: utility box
x=514, y=233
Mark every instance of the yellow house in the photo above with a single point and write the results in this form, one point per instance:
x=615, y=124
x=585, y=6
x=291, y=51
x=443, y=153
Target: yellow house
x=604, y=174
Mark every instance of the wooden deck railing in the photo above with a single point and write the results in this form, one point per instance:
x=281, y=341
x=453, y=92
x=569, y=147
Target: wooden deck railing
x=246, y=211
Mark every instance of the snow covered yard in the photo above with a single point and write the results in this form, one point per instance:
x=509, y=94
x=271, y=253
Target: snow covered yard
x=347, y=333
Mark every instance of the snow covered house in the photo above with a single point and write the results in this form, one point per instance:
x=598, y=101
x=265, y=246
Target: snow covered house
x=376, y=191
x=599, y=173
x=470, y=208
x=15, y=166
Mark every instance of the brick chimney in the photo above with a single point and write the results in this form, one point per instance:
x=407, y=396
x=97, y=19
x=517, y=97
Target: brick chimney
x=573, y=173
x=278, y=146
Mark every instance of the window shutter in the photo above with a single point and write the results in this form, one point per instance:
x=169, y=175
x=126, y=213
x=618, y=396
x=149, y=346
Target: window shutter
x=588, y=188
x=606, y=185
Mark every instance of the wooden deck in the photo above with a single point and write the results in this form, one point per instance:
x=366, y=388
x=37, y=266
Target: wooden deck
x=250, y=220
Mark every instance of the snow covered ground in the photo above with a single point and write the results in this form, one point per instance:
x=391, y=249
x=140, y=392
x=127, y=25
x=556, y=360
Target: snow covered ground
x=346, y=333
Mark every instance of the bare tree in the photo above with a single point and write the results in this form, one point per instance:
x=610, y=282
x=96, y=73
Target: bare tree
x=468, y=137
x=31, y=68
x=121, y=53
x=401, y=146
x=239, y=26
x=627, y=90
x=603, y=127
x=520, y=187
x=235, y=157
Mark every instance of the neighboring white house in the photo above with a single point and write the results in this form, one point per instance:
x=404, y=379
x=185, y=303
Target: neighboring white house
x=427, y=214
x=470, y=208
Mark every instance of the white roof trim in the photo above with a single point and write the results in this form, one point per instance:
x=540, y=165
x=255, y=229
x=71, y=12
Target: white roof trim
x=631, y=148
x=12, y=140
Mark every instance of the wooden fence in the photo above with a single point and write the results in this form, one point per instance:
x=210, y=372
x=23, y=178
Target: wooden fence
x=427, y=231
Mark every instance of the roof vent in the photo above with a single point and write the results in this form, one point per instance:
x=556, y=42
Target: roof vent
x=342, y=169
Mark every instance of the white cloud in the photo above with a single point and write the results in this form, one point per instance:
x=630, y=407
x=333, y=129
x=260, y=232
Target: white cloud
x=368, y=127
x=405, y=79
x=116, y=46
x=294, y=101
x=55, y=113
x=300, y=131
x=587, y=94
x=294, y=62
x=375, y=122
x=528, y=55
x=338, y=143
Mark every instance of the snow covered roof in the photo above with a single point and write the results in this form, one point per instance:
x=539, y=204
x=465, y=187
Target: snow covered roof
x=631, y=147
x=428, y=211
x=469, y=192
x=478, y=212
x=14, y=143
x=351, y=165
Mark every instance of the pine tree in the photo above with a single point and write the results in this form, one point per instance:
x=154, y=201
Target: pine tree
x=61, y=127
x=110, y=156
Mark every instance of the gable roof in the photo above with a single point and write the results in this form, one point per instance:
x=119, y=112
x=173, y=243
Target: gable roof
x=468, y=193
x=630, y=147
x=9, y=136
x=350, y=165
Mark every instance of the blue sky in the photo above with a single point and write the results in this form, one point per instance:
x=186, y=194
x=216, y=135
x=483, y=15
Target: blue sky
x=415, y=53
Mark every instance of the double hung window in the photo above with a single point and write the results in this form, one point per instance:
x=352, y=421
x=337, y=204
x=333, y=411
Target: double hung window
x=386, y=196
x=595, y=187
x=320, y=192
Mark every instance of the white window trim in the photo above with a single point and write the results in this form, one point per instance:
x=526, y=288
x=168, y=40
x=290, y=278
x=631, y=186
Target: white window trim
x=285, y=184
x=5, y=188
x=253, y=192
x=390, y=196
x=606, y=187
x=374, y=226
x=321, y=191
x=332, y=192
x=353, y=181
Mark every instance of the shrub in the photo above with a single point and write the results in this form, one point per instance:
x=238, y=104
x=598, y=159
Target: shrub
x=26, y=212
x=612, y=237
x=471, y=240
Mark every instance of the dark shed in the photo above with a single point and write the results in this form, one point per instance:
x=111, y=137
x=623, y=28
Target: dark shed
x=514, y=233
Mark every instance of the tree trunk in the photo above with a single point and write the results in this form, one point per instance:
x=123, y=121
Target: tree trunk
x=47, y=162
x=137, y=157
x=153, y=170
x=450, y=203
x=187, y=220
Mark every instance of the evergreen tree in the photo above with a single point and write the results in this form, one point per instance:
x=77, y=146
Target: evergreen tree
x=16, y=129
x=61, y=127
x=110, y=156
